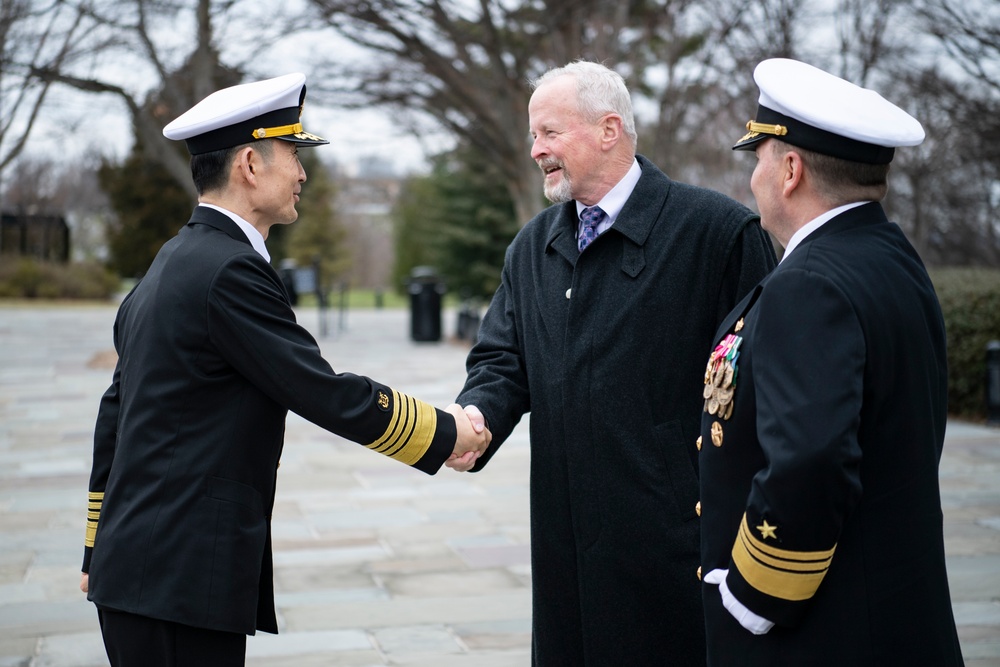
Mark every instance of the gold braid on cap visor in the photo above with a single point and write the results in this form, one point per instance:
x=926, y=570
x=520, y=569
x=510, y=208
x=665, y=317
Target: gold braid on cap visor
x=280, y=131
x=764, y=128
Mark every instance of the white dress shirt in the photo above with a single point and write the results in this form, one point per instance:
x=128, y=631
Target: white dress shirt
x=614, y=201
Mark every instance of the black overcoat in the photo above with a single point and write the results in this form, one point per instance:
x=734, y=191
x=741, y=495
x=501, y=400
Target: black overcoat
x=819, y=492
x=190, y=431
x=607, y=349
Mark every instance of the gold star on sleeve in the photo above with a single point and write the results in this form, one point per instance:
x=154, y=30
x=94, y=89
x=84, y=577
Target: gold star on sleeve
x=782, y=573
x=767, y=530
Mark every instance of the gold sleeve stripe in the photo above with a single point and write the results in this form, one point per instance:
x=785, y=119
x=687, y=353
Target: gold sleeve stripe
x=796, y=561
x=780, y=573
x=404, y=426
x=410, y=432
x=394, y=428
x=784, y=554
x=94, y=501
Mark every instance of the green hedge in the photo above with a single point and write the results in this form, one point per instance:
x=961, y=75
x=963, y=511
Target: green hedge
x=22, y=278
x=970, y=300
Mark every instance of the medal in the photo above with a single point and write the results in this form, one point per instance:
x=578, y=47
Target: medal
x=720, y=377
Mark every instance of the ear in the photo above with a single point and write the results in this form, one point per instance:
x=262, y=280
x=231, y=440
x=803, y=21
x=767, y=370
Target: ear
x=791, y=172
x=612, y=129
x=246, y=165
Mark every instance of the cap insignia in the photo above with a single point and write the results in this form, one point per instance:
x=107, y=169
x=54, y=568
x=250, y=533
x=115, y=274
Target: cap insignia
x=307, y=136
x=280, y=131
x=764, y=128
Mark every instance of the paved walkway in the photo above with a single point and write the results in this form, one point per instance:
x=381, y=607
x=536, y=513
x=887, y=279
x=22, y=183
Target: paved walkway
x=375, y=564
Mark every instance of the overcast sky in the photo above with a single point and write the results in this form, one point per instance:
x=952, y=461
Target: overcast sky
x=74, y=124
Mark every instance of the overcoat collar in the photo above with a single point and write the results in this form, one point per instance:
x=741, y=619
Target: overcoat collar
x=635, y=222
x=209, y=216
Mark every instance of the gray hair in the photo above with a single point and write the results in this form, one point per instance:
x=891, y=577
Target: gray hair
x=599, y=90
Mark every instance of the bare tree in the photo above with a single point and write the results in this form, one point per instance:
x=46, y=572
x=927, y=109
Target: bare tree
x=176, y=46
x=965, y=92
x=467, y=66
x=33, y=35
x=863, y=36
x=970, y=33
x=464, y=67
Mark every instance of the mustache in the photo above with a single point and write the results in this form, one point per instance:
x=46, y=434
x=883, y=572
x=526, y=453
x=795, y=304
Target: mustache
x=549, y=163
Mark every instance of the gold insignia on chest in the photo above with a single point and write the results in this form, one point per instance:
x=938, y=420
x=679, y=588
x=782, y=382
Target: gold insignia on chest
x=717, y=434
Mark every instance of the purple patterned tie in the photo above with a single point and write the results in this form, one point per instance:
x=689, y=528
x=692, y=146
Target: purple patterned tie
x=591, y=218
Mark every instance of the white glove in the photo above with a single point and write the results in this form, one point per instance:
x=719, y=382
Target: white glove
x=758, y=625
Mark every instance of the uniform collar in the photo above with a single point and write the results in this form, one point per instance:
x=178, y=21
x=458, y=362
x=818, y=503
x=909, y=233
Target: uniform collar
x=255, y=237
x=814, y=224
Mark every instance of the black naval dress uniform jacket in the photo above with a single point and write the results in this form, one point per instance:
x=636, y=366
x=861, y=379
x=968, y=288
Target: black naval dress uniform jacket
x=606, y=349
x=819, y=492
x=189, y=434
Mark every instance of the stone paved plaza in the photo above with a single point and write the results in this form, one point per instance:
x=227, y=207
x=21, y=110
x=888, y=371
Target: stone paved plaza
x=374, y=564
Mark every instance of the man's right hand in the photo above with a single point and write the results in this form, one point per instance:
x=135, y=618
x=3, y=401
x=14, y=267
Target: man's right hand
x=473, y=438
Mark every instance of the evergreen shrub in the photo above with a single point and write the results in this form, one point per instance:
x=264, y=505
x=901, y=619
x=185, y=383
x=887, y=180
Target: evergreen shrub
x=970, y=301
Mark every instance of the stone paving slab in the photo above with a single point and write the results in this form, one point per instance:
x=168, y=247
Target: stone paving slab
x=375, y=564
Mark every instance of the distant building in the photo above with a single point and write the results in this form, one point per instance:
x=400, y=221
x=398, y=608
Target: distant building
x=43, y=237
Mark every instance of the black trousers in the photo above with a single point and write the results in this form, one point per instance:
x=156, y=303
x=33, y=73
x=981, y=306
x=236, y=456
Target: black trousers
x=139, y=641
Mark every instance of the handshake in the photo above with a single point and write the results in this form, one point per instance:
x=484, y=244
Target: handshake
x=473, y=437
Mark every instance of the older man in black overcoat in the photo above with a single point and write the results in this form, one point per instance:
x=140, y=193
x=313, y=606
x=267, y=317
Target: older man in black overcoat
x=602, y=334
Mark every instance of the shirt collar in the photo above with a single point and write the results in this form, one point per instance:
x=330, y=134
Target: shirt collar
x=614, y=201
x=814, y=224
x=255, y=237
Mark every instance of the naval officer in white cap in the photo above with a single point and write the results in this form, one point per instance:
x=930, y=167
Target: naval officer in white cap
x=825, y=405
x=189, y=434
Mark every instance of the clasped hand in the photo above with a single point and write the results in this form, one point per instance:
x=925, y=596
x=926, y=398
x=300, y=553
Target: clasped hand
x=473, y=437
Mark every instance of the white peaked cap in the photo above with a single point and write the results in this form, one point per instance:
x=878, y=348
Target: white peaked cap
x=807, y=107
x=269, y=109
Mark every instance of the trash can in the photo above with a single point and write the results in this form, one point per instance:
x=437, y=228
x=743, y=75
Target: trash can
x=467, y=327
x=425, y=304
x=287, y=273
x=993, y=383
